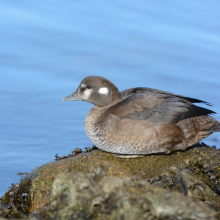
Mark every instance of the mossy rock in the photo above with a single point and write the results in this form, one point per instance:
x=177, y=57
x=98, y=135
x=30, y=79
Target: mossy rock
x=147, y=168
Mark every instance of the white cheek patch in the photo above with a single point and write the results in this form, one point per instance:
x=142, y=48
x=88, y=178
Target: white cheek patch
x=86, y=94
x=103, y=91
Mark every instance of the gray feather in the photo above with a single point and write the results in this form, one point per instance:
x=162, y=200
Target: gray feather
x=215, y=128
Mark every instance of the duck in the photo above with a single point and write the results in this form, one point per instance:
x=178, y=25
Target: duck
x=142, y=120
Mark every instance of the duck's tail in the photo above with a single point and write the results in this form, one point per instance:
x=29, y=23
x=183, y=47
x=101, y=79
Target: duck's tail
x=215, y=128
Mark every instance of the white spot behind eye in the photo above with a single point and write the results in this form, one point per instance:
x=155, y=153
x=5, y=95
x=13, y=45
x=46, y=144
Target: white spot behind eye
x=103, y=91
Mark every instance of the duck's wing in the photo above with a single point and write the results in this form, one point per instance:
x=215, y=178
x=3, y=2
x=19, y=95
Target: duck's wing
x=129, y=92
x=156, y=106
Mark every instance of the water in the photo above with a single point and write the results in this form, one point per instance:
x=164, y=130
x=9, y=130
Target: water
x=48, y=47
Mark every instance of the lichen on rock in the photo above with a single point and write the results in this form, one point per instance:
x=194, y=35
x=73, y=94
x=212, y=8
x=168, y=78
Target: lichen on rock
x=97, y=196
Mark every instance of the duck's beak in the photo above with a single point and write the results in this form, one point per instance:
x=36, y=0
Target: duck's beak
x=73, y=97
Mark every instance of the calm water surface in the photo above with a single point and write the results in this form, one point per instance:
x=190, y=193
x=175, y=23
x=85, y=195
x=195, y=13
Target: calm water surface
x=48, y=47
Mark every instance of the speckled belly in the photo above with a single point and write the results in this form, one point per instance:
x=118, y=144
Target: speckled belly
x=104, y=142
x=129, y=137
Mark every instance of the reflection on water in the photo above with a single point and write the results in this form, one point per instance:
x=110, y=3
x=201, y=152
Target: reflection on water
x=47, y=48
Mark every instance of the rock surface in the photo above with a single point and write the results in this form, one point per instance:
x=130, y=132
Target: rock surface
x=146, y=167
x=97, y=196
x=194, y=173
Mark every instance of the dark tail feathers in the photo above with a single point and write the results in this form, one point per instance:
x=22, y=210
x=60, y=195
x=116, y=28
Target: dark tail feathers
x=215, y=128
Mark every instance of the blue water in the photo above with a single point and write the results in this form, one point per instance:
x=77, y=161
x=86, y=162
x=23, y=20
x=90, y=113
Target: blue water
x=48, y=47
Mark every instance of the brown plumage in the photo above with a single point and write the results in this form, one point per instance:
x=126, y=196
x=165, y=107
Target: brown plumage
x=142, y=120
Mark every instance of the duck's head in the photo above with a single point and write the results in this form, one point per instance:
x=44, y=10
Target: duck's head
x=97, y=90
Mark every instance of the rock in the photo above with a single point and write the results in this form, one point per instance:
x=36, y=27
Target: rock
x=191, y=185
x=146, y=167
x=194, y=173
x=194, y=181
x=97, y=196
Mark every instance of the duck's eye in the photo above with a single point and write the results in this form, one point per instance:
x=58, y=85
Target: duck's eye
x=88, y=86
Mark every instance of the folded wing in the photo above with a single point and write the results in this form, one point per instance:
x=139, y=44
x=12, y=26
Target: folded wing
x=157, y=106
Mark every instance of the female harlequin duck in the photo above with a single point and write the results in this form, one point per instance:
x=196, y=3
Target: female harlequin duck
x=141, y=121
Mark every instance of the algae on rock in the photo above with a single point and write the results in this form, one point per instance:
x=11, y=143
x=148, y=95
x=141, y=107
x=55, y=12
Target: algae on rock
x=194, y=172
